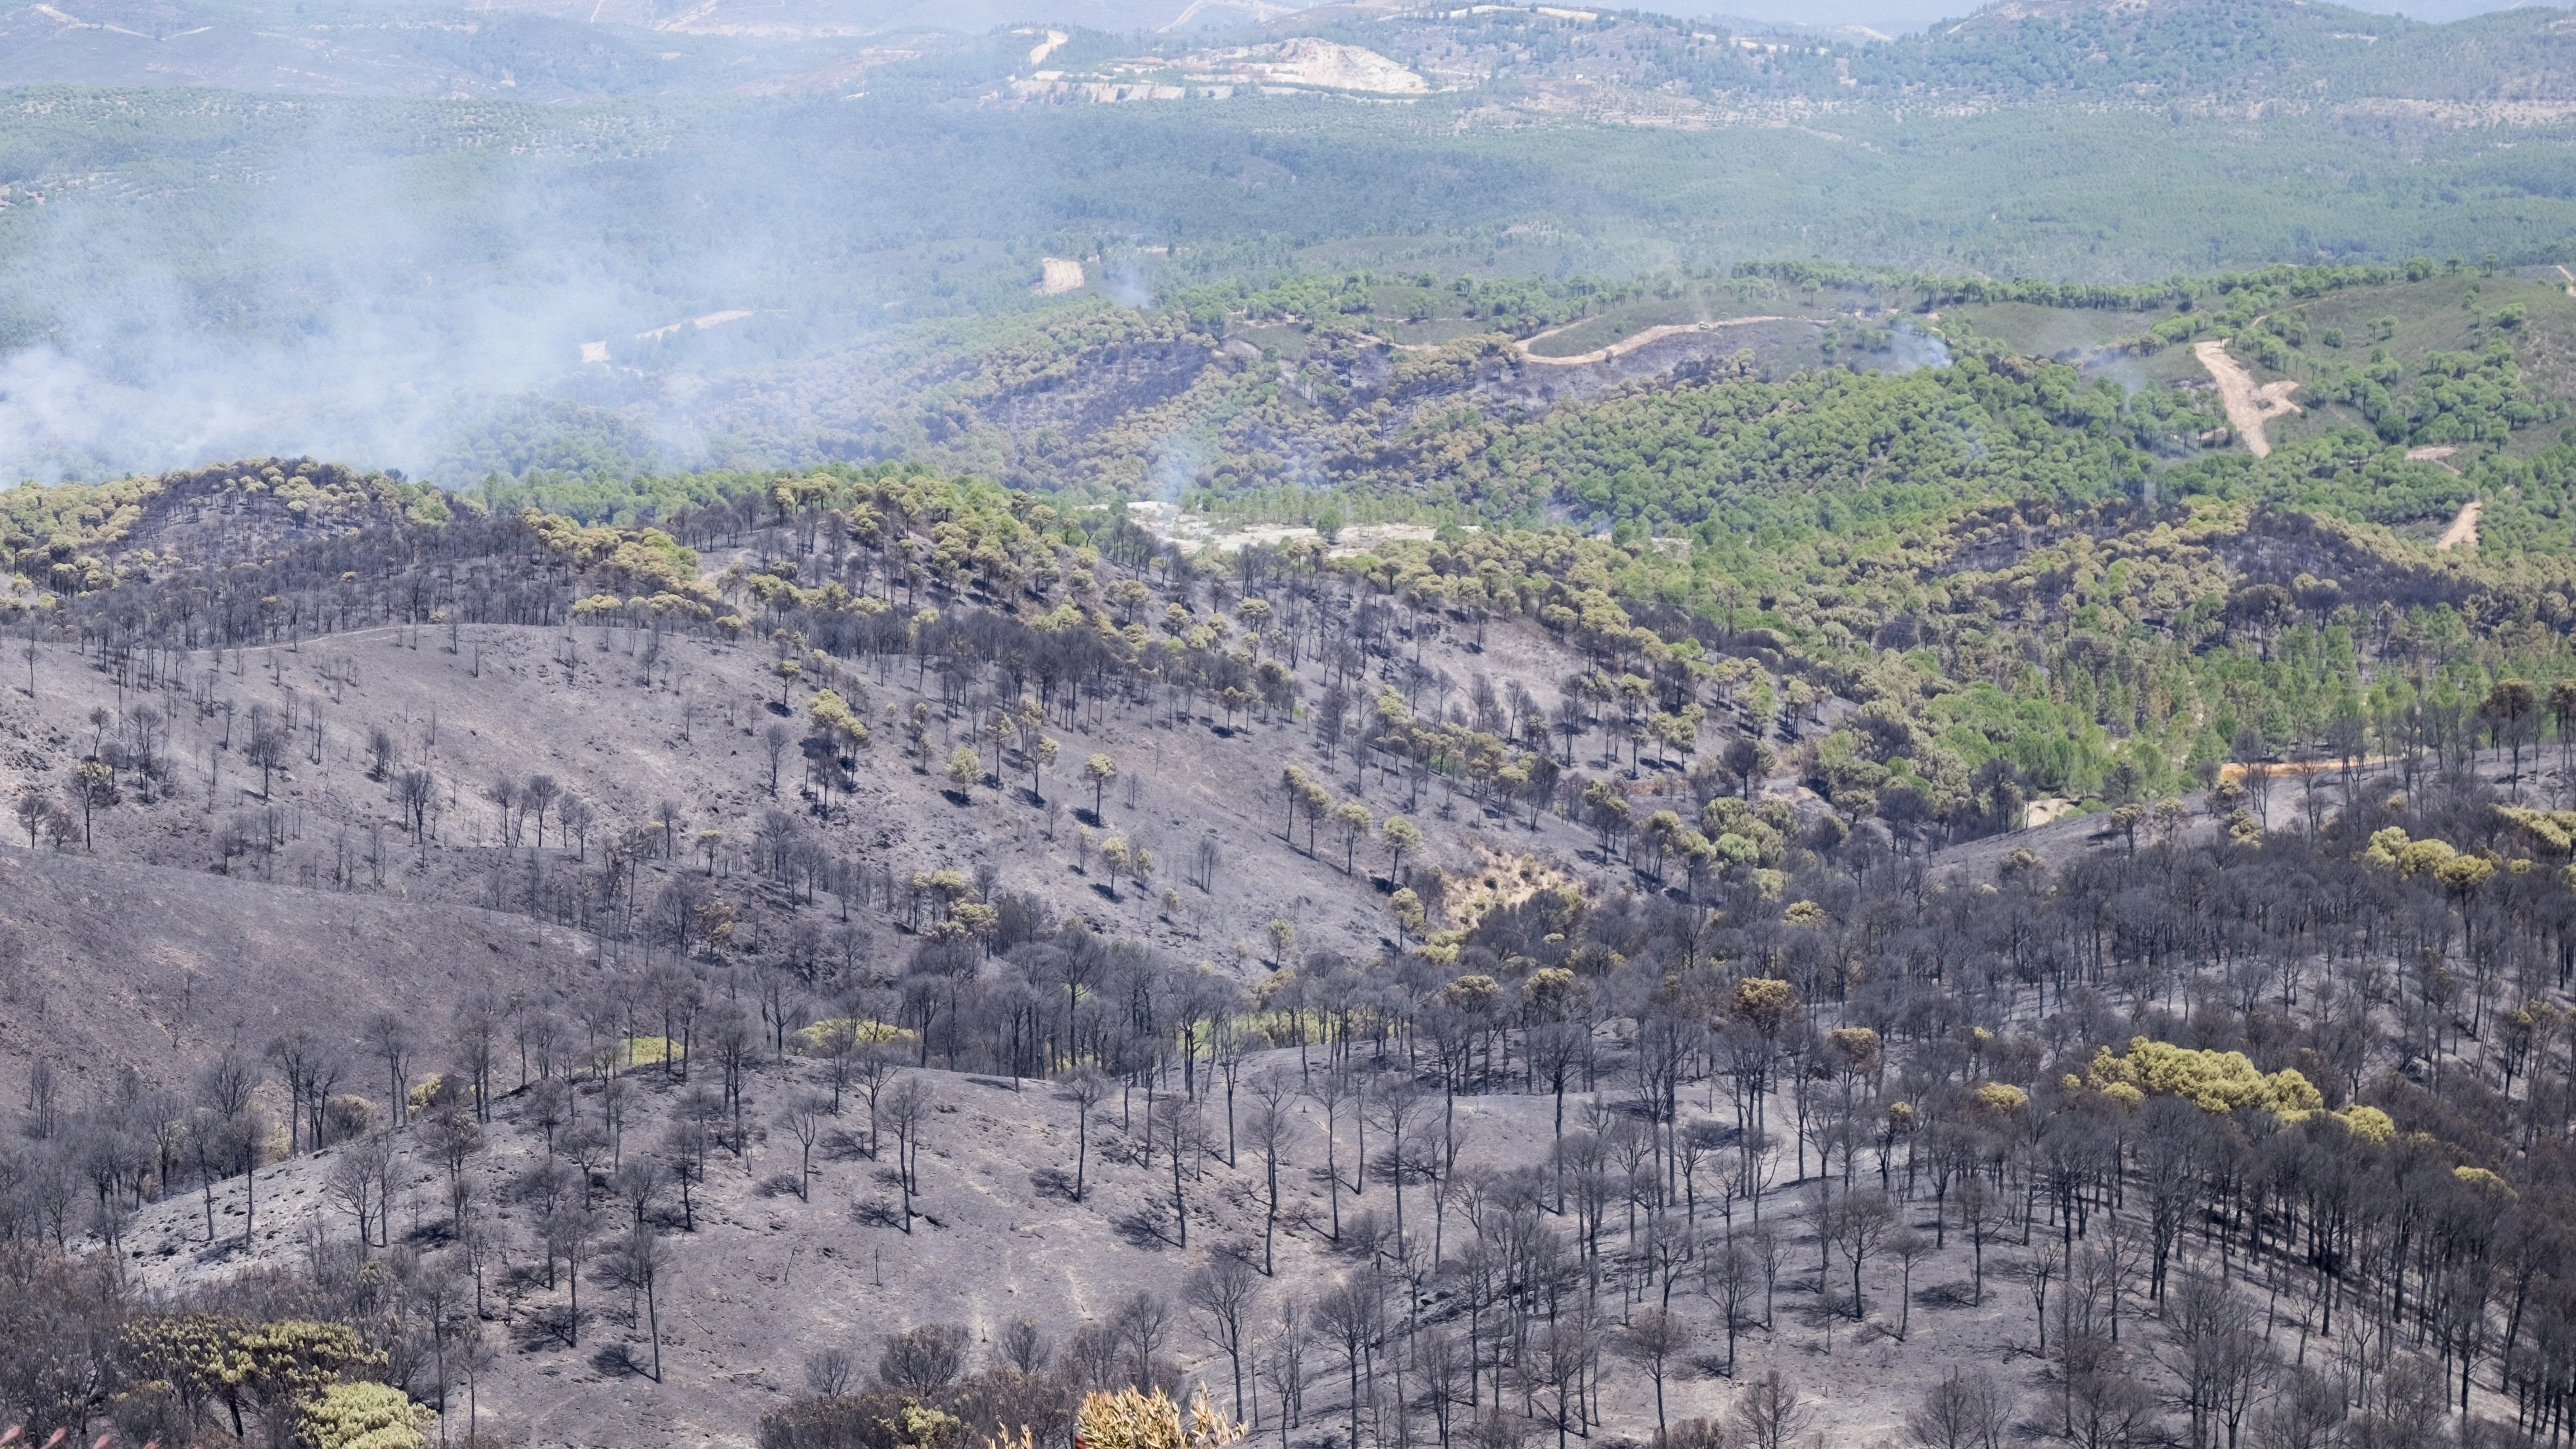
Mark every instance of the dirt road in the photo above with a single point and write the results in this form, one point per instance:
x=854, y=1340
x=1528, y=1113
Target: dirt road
x=1626, y=345
x=2248, y=407
x=2437, y=455
x=2463, y=532
x=701, y=324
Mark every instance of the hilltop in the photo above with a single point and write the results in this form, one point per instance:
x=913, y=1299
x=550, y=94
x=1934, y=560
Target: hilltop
x=78, y=539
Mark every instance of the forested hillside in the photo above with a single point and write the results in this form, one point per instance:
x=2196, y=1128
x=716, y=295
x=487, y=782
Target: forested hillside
x=2195, y=53
x=1629, y=994
x=1786, y=400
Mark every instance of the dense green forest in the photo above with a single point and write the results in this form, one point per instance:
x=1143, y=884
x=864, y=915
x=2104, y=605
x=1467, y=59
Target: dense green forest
x=1275, y=402
x=827, y=215
x=2023, y=559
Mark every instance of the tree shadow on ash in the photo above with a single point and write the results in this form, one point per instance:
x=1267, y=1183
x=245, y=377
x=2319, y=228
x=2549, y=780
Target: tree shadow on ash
x=1961, y=1294
x=546, y=1325
x=877, y=1212
x=1144, y=1228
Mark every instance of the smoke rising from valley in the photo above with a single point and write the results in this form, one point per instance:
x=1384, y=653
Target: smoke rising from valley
x=400, y=301
x=338, y=313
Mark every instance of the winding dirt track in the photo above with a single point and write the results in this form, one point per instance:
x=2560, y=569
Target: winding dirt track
x=1626, y=345
x=2463, y=532
x=2248, y=407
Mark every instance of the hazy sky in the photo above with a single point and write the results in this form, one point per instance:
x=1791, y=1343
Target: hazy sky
x=1913, y=14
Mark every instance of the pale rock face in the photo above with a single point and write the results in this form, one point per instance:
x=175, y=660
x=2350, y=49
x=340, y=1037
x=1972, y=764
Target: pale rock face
x=1311, y=62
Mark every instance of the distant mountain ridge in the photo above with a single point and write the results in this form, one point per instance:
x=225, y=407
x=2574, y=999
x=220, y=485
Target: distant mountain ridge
x=2192, y=47
x=565, y=49
x=375, y=50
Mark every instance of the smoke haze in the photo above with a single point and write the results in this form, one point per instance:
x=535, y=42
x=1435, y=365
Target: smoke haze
x=663, y=268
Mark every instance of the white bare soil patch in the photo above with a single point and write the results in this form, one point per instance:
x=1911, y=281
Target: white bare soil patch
x=1059, y=276
x=2047, y=810
x=2249, y=407
x=1301, y=64
x=1197, y=530
x=1306, y=61
x=1368, y=537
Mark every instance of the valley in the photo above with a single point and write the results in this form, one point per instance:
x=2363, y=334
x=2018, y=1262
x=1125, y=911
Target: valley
x=833, y=725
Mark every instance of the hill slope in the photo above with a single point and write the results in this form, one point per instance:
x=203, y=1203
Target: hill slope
x=1713, y=977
